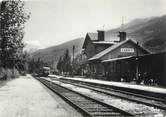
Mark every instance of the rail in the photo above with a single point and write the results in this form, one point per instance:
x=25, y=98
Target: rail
x=88, y=106
x=161, y=104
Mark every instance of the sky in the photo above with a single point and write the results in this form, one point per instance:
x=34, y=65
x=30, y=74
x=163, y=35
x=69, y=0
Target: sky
x=53, y=22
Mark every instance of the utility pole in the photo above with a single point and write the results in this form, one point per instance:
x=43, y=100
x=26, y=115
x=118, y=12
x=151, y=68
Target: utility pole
x=103, y=26
x=73, y=52
x=73, y=60
x=137, y=64
x=122, y=26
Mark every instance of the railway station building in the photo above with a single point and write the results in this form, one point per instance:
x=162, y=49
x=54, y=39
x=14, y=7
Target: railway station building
x=104, y=56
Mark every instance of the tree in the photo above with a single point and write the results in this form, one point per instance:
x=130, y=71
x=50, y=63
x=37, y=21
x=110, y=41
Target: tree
x=60, y=64
x=66, y=67
x=34, y=65
x=22, y=63
x=78, y=64
x=12, y=20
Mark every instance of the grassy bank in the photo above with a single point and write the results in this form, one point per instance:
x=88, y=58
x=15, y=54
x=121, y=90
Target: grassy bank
x=6, y=74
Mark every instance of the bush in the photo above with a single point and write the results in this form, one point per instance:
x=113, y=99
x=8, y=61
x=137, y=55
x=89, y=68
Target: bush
x=16, y=73
x=2, y=74
x=7, y=74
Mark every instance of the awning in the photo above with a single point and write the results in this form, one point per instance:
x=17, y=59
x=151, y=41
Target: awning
x=115, y=59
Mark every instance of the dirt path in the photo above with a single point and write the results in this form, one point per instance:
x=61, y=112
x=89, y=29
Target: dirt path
x=26, y=97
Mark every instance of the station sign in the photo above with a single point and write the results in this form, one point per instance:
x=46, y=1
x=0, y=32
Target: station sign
x=127, y=50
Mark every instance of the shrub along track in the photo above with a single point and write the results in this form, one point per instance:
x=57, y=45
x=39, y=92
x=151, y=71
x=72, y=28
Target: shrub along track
x=89, y=107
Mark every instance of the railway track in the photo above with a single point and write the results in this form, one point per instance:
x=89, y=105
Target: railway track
x=89, y=107
x=158, y=103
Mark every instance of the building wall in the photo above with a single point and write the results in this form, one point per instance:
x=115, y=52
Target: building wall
x=120, y=69
x=117, y=52
x=90, y=48
x=115, y=67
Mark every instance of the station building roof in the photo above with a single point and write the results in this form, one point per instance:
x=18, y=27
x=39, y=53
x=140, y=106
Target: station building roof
x=104, y=42
x=104, y=52
x=93, y=36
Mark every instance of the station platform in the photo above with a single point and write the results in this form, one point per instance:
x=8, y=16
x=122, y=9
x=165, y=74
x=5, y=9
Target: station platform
x=27, y=97
x=152, y=90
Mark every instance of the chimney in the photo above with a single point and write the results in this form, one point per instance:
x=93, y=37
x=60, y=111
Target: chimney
x=122, y=36
x=100, y=35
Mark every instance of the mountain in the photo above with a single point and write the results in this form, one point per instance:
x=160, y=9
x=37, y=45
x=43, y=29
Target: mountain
x=149, y=32
x=30, y=48
x=53, y=53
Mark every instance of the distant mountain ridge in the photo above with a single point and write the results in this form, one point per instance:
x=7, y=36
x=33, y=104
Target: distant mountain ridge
x=149, y=32
x=53, y=53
